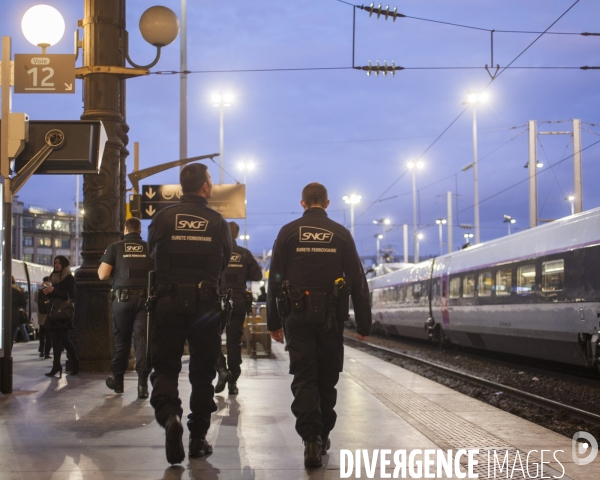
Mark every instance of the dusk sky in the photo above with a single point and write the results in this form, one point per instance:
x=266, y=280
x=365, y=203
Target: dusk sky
x=351, y=132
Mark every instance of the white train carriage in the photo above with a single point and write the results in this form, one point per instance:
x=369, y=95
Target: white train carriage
x=535, y=293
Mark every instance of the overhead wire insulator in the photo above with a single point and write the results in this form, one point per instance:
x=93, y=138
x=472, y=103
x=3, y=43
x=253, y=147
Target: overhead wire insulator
x=385, y=68
x=380, y=11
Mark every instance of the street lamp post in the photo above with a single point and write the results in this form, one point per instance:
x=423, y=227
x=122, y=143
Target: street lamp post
x=440, y=222
x=571, y=199
x=467, y=237
x=509, y=220
x=384, y=222
x=245, y=167
x=475, y=98
x=221, y=100
x=352, y=200
x=418, y=239
x=378, y=237
x=413, y=166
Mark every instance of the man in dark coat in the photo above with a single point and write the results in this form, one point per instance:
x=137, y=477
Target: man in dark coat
x=316, y=266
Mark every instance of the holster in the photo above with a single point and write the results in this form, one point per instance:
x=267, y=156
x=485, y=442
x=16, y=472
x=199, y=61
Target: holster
x=283, y=301
x=226, y=304
x=248, y=300
x=121, y=294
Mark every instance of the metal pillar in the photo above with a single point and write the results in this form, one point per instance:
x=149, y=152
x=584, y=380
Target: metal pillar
x=577, y=166
x=414, y=192
x=183, y=128
x=533, y=220
x=405, y=240
x=103, y=194
x=221, y=142
x=6, y=360
x=475, y=177
x=450, y=220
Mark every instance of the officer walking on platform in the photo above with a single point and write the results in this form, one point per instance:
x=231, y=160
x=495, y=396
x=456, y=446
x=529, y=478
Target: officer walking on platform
x=314, y=270
x=242, y=268
x=191, y=246
x=128, y=262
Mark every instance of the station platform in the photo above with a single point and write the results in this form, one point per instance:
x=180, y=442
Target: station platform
x=75, y=428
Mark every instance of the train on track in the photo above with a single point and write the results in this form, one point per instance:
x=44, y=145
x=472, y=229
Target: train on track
x=535, y=293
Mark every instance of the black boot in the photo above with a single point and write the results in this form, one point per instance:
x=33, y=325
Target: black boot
x=312, y=452
x=223, y=376
x=233, y=389
x=326, y=444
x=55, y=369
x=115, y=383
x=76, y=366
x=143, y=386
x=199, y=447
x=174, y=442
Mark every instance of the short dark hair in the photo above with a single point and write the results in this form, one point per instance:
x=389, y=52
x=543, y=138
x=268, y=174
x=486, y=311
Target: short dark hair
x=192, y=177
x=133, y=225
x=314, y=194
x=234, y=228
x=64, y=261
x=45, y=279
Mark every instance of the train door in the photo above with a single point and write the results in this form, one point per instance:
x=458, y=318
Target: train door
x=445, y=312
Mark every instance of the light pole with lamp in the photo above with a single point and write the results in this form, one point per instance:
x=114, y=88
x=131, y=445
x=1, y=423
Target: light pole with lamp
x=440, y=222
x=467, y=237
x=418, y=239
x=222, y=100
x=378, y=237
x=571, y=199
x=352, y=200
x=413, y=167
x=245, y=167
x=509, y=220
x=475, y=98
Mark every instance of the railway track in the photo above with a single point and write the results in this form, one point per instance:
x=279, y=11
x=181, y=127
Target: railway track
x=475, y=380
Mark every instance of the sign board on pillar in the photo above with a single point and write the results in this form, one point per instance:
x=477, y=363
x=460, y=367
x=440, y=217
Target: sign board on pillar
x=81, y=152
x=227, y=199
x=44, y=73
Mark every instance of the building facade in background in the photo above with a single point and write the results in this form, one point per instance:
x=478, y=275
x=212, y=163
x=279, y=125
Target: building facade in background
x=39, y=235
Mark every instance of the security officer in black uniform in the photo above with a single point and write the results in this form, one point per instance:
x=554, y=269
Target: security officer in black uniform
x=314, y=270
x=191, y=246
x=242, y=268
x=128, y=262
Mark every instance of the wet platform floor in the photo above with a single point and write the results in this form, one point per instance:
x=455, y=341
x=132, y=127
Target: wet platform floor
x=75, y=428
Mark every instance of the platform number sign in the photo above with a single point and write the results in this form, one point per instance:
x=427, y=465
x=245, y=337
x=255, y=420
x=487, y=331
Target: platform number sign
x=44, y=73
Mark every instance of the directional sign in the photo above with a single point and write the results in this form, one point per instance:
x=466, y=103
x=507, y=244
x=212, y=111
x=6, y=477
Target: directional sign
x=45, y=73
x=228, y=200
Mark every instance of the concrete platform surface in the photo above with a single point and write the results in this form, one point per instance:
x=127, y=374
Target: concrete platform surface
x=75, y=428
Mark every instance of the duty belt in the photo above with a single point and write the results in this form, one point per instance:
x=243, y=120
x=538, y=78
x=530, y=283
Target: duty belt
x=130, y=291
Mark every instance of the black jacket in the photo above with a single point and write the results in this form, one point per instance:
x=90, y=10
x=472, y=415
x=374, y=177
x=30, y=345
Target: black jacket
x=189, y=242
x=18, y=300
x=311, y=253
x=242, y=268
x=63, y=290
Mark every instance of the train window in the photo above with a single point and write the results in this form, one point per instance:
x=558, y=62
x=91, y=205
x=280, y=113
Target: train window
x=484, y=287
x=416, y=292
x=409, y=294
x=553, y=276
x=504, y=282
x=401, y=294
x=455, y=288
x=526, y=279
x=469, y=286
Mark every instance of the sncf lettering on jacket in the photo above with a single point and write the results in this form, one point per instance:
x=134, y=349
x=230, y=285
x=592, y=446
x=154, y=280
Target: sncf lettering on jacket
x=187, y=222
x=315, y=235
x=133, y=248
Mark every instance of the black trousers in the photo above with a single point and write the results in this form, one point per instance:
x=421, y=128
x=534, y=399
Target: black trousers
x=316, y=360
x=234, y=332
x=45, y=340
x=169, y=333
x=60, y=340
x=129, y=319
